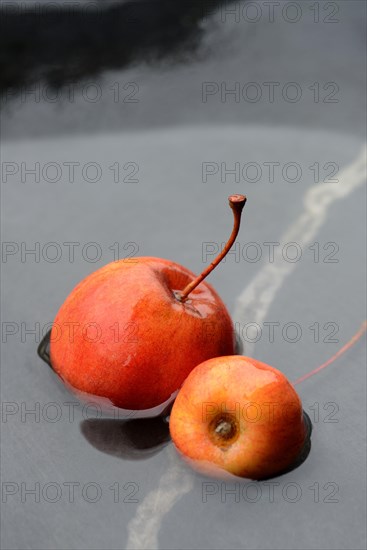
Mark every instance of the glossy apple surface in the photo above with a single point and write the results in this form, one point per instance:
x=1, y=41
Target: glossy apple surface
x=238, y=415
x=124, y=335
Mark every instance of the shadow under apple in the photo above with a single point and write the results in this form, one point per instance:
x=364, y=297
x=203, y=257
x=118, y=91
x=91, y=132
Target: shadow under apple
x=139, y=439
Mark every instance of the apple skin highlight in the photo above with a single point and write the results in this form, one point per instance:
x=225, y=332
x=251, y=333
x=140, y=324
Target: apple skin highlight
x=239, y=416
x=123, y=334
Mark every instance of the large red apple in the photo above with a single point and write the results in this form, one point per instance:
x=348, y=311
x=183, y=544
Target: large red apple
x=123, y=334
x=238, y=415
x=133, y=330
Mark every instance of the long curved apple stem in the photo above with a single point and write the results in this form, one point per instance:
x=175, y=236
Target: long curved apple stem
x=236, y=202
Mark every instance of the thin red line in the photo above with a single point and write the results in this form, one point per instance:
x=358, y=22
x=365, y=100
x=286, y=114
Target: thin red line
x=348, y=345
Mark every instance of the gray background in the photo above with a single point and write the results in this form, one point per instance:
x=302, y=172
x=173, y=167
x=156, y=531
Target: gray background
x=170, y=213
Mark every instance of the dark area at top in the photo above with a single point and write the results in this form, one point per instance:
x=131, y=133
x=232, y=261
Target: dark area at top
x=60, y=45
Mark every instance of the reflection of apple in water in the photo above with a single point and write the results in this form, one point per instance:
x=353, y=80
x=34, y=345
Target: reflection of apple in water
x=132, y=331
x=239, y=415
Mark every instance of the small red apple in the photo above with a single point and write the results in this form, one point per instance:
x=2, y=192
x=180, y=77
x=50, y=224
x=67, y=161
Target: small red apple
x=131, y=333
x=238, y=415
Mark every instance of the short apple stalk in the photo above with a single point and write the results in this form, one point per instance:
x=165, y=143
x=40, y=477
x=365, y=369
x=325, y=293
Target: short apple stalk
x=236, y=202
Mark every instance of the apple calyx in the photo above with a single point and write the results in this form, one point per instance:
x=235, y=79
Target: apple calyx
x=224, y=430
x=236, y=202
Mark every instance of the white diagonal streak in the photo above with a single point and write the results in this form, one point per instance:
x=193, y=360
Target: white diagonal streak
x=254, y=302
x=144, y=527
